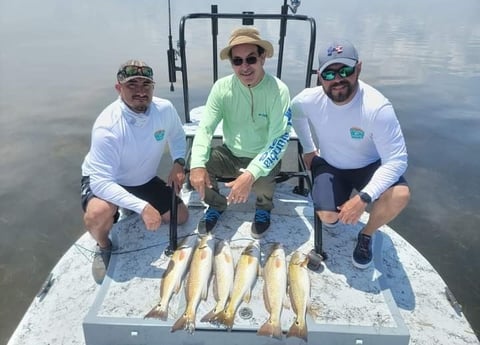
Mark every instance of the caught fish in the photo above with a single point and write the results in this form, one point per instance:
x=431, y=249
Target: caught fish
x=196, y=287
x=246, y=273
x=173, y=276
x=223, y=268
x=299, y=291
x=274, y=291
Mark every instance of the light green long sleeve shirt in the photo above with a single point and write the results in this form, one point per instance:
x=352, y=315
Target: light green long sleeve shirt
x=256, y=122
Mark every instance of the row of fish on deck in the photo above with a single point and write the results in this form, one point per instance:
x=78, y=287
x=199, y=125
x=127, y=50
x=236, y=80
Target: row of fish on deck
x=234, y=284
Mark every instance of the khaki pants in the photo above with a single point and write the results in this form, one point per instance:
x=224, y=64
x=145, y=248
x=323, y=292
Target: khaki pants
x=223, y=163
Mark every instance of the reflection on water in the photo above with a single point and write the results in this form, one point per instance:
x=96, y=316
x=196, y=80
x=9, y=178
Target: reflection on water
x=57, y=67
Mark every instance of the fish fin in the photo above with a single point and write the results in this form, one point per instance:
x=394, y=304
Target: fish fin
x=178, y=285
x=184, y=322
x=179, y=324
x=215, y=289
x=247, y=296
x=204, y=294
x=298, y=330
x=208, y=317
x=269, y=329
x=158, y=312
x=225, y=318
x=266, y=300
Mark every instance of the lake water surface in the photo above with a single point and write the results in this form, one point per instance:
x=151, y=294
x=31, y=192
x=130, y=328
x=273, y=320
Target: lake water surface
x=58, y=61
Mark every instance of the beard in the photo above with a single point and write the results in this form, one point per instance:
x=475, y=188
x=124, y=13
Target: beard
x=339, y=96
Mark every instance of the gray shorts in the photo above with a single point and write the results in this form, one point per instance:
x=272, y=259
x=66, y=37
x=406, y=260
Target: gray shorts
x=332, y=187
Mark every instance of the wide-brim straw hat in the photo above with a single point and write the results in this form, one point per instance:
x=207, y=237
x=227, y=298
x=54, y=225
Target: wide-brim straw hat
x=246, y=35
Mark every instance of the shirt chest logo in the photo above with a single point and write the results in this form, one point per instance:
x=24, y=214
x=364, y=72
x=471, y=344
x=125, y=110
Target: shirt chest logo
x=356, y=133
x=159, y=135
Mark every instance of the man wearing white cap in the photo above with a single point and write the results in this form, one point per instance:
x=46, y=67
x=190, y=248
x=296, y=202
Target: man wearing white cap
x=360, y=146
x=254, y=108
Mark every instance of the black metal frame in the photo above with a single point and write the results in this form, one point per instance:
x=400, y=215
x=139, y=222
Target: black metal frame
x=247, y=18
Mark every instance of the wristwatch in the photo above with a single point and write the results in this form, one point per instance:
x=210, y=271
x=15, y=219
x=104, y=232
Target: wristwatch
x=180, y=161
x=365, y=197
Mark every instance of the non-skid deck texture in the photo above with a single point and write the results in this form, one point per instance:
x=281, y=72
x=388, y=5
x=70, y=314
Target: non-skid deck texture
x=132, y=287
x=341, y=295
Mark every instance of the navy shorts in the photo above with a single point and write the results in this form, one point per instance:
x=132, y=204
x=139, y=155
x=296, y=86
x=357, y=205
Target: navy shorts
x=332, y=187
x=155, y=192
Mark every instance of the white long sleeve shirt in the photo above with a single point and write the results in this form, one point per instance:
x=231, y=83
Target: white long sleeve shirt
x=353, y=135
x=127, y=147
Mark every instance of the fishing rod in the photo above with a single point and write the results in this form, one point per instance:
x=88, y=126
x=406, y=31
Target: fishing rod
x=171, y=53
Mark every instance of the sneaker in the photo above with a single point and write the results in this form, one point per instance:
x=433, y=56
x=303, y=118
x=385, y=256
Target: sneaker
x=362, y=255
x=209, y=220
x=101, y=259
x=260, y=223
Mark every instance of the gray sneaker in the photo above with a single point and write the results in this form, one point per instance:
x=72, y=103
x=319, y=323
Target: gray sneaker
x=101, y=259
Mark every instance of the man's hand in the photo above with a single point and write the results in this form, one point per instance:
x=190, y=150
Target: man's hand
x=176, y=177
x=240, y=188
x=151, y=217
x=308, y=157
x=351, y=211
x=200, y=180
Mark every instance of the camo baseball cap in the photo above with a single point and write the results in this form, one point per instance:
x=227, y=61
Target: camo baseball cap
x=339, y=51
x=134, y=69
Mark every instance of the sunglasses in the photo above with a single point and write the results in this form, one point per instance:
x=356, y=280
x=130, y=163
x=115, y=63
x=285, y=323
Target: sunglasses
x=344, y=72
x=132, y=71
x=251, y=60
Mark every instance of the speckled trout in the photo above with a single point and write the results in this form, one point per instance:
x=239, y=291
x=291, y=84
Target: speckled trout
x=196, y=287
x=173, y=276
x=274, y=291
x=299, y=292
x=246, y=273
x=223, y=268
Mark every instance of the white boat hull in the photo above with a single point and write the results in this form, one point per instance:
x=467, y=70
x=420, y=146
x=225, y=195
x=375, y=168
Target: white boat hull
x=400, y=299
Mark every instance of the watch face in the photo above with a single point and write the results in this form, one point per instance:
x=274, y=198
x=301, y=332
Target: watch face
x=365, y=197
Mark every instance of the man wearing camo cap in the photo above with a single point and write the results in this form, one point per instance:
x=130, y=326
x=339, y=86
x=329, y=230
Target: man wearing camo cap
x=129, y=139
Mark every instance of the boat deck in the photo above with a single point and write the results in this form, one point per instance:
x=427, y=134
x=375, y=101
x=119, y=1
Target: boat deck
x=399, y=300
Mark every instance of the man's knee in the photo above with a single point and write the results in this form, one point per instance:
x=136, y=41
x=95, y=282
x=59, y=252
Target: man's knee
x=396, y=197
x=99, y=213
x=402, y=195
x=327, y=217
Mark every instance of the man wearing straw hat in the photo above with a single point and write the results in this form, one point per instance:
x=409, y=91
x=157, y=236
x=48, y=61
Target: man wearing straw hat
x=254, y=108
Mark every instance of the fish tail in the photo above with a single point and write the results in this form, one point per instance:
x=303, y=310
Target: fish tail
x=270, y=329
x=298, y=329
x=209, y=316
x=179, y=324
x=225, y=318
x=186, y=322
x=158, y=312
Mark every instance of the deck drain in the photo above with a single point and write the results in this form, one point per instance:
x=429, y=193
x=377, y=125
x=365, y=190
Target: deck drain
x=245, y=313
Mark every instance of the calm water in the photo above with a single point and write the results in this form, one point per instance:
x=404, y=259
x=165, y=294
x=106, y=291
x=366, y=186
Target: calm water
x=57, y=65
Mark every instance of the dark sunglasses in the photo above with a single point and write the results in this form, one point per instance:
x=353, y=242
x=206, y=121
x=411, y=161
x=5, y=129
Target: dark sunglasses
x=132, y=71
x=344, y=72
x=251, y=60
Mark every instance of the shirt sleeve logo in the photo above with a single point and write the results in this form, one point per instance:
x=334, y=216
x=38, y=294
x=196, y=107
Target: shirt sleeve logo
x=356, y=133
x=159, y=135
